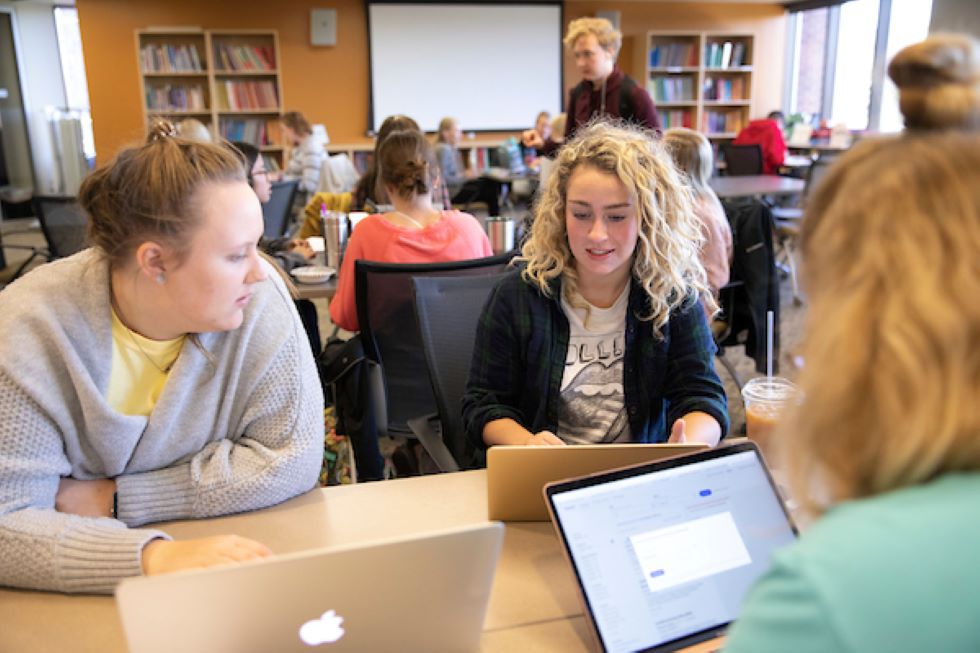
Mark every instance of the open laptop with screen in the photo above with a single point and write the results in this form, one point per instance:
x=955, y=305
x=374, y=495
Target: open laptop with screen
x=517, y=474
x=664, y=553
x=421, y=593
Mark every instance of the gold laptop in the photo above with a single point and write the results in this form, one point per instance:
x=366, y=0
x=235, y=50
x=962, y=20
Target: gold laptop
x=516, y=475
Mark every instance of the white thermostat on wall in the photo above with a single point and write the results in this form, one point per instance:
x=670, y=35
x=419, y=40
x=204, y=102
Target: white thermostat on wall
x=323, y=27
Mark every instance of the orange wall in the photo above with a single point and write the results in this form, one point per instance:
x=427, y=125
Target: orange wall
x=330, y=84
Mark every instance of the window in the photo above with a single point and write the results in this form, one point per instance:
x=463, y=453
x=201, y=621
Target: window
x=73, y=72
x=838, y=60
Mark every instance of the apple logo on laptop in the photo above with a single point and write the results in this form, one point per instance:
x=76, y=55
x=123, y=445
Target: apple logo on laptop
x=325, y=630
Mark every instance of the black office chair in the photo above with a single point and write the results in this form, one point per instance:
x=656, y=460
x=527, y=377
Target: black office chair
x=277, y=211
x=753, y=289
x=390, y=337
x=448, y=310
x=741, y=160
x=63, y=225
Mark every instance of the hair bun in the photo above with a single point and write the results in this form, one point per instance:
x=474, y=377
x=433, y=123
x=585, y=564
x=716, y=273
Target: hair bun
x=161, y=129
x=939, y=82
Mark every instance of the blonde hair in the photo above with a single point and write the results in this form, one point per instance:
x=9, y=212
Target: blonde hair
x=609, y=38
x=558, y=127
x=444, y=125
x=890, y=243
x=666, y=261
x=939, y=82
x=693, y=156
x=194, y=130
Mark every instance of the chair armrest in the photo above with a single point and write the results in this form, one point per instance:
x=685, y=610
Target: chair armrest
x=431, y=438
x=377, y=397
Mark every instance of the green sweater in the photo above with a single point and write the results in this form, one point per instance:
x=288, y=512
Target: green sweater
x=896, y=572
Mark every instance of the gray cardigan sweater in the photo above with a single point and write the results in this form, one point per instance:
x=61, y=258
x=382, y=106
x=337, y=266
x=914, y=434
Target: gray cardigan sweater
x=241, y=431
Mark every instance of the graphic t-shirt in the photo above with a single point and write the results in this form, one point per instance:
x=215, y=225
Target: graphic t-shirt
x=591, y=406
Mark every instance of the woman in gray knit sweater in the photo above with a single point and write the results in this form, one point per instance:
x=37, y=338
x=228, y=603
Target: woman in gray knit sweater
x=161, y=374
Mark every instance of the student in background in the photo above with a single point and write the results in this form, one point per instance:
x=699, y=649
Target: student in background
x=160, y=375
x=369, y=192
x=464, y=186
x=604, y=90
x=693, y=156
x=194, y=130
x=600, y=337
x=307, y=153
x=885, y=448
x=414, y=232
x=288, y=253
x=767, y=133
x=542, y=125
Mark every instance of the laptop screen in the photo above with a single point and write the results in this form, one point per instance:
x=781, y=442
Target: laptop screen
x=671, y=550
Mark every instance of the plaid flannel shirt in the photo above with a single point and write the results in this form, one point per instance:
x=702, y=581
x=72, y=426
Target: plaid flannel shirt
x=519, y=359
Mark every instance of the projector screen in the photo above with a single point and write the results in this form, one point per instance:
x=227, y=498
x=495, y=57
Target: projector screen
x=493, y=67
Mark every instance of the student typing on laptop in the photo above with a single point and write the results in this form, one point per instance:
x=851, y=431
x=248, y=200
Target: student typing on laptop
x=600, y=336
x=886, y=446
x=161, y=374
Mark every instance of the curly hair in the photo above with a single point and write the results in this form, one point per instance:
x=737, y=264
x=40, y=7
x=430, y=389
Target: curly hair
x=666, y=262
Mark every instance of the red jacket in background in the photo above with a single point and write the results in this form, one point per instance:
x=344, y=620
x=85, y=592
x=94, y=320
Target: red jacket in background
x=767, y=134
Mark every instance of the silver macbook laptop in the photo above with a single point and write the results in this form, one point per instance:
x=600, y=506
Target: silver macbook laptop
x=516, y=475
x=420, y=593
x=664, y=553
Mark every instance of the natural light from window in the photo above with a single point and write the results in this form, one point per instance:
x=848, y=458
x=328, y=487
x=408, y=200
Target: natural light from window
x=73, y=72
x=909, y=24
x=855, y=62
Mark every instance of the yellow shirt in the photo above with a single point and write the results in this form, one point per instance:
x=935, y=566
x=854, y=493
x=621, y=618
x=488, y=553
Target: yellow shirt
x=140, y=368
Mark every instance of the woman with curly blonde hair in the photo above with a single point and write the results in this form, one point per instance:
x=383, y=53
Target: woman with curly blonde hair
x=886, y=446
x=601, y=337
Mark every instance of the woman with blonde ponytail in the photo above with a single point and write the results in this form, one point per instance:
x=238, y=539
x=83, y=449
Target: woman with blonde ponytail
x=160, y=375
x=885, y=449
x=414, y=232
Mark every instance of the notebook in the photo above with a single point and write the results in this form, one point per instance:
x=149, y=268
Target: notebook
x=664, y=553
x=516, y=475
x=419, y=593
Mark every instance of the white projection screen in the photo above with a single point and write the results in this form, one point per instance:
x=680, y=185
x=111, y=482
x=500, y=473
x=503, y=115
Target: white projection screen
x=491, y=66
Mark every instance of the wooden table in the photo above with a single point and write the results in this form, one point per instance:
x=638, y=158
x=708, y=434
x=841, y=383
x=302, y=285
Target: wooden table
x=533, y=602
x=325, y=290
x=756, y=185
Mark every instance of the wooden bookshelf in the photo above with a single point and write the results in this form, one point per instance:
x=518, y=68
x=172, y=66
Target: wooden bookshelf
x=701, y=80
x=227, y=79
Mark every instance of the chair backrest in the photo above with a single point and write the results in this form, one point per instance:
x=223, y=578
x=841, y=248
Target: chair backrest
x=448, y=310
x=63, y=224
x=754, y=280
x=818, y=169
x=275, y=212
x=389, y=330
x=742, y=159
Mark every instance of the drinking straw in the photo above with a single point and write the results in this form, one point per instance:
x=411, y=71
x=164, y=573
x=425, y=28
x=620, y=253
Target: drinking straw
x=769, y=330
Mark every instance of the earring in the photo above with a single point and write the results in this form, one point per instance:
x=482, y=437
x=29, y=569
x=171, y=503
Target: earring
x=161, y=279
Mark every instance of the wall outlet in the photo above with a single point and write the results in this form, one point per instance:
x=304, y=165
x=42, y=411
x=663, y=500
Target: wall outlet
x=323, y=27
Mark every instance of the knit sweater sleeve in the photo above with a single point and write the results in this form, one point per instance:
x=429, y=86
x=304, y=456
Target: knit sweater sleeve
x=275, y=453
x=44, y=549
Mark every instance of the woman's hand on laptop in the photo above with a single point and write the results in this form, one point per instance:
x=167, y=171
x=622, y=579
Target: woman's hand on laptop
x=163, y=556
x=694, y=428
x=545, y=439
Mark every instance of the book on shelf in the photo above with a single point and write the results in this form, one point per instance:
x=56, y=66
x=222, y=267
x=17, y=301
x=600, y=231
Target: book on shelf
x=169, y=97
x=672, y=55
x=677, y=88
x=676, y=118
x=724, y=89
x=171, y=59
x=257, y=131
x=738, y=54
x=247, y=96
x=726, y=54
x=721, y=122
x=248, y=58
x=271, y=162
